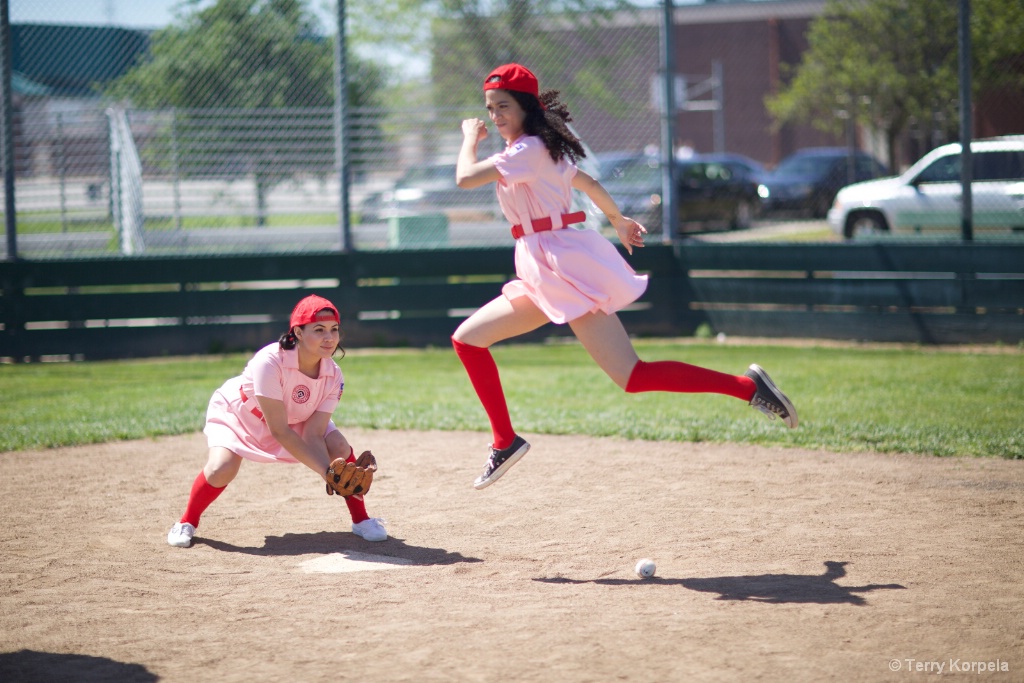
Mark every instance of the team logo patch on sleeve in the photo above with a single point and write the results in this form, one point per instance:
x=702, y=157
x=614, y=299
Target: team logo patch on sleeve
x=300, y=394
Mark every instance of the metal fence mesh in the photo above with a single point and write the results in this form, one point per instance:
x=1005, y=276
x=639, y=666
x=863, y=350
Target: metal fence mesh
x=211, y=127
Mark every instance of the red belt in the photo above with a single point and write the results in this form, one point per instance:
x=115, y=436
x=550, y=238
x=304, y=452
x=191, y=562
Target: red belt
x=255, y=411
x=544, y=224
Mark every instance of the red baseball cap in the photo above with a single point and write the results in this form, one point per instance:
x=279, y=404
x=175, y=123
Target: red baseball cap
x=513, y=77
x=311, y=309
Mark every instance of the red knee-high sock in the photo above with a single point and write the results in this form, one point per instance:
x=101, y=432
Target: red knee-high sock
x=670, y=375
x=199, y=499
x=483, y=374
x=356, y=504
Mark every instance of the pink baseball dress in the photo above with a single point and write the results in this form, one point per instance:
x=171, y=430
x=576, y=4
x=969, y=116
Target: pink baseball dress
x=234, y=420
x=566, y=272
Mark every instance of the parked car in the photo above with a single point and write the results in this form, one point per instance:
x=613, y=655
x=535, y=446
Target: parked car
x=634, y=182
x=807, y=181
x=927, y=197
x=608, y=162
x=422, y=189
x=710, y=188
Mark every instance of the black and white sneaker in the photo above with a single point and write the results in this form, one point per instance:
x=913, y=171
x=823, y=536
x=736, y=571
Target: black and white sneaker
x=768, y=399
x=499, y=462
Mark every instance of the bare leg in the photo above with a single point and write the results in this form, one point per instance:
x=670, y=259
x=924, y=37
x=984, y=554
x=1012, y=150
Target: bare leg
x=221, y=467
x=499, y=319
x=495, y=321
x=605, y=339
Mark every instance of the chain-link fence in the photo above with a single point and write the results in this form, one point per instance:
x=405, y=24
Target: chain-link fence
x=213, y=127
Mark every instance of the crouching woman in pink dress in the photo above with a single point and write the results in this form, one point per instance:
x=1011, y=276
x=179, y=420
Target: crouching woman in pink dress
x=279, y=410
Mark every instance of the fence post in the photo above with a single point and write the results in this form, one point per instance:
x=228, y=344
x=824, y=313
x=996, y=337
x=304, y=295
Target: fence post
x=175, y=170
x=116, y=207
x=966, y=172
x=7, y=138
x=62, y=173
x=668, y=116
x=341, y=130
x=718, y=92
x=126, y=168
x=11, y=313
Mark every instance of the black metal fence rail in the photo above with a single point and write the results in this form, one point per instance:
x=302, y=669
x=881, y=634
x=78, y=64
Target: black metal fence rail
x=949, y=293
x=953, y=293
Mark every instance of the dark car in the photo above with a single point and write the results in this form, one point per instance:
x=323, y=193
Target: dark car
x=806, y=182
x=716, y=189
x=428, y=188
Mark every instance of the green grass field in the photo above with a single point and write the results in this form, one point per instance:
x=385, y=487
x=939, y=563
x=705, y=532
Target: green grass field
x=849, y=399
x=33, y=224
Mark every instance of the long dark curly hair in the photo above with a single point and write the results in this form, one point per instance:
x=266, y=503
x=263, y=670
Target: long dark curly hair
x=549, y=124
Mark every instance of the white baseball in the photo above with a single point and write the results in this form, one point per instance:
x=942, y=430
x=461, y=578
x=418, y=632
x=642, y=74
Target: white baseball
x=645, y=568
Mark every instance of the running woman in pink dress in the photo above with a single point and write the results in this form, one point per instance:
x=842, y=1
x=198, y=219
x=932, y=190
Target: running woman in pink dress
x=565, y=275
x=279, y=410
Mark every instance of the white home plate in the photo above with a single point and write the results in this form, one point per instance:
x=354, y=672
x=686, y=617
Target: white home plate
x=337, y=563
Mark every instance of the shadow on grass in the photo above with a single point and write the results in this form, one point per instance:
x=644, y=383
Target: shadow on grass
x=770, y=588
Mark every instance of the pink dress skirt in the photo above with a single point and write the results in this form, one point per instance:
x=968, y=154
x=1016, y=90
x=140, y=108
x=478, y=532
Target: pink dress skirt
x=568, y=273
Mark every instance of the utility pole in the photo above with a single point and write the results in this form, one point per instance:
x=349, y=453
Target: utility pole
x=966, y=124
x=668, y=115
x=341, y=156
x=7, y=137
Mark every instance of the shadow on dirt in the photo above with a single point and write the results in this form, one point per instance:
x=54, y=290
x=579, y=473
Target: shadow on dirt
x=770, y=588
x=326, y=542
x=30, y=665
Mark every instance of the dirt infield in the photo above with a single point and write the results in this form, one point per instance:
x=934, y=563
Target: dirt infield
x=773, y=565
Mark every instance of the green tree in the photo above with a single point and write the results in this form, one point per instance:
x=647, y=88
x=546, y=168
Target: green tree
x=482, y=34
x=467, y=38
x=892, y=63
x=245, y=56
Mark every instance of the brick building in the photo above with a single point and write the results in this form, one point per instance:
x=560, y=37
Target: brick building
x=745, y=45
x=750, y=47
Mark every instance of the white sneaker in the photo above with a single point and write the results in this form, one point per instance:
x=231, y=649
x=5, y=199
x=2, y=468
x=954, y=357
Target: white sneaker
x=371, y=530
x=180, y=535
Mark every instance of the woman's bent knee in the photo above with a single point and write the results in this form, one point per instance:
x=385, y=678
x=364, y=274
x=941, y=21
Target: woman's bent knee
x=221, y=467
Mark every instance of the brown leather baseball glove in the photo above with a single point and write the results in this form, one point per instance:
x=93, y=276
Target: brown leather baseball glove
x=348, y=478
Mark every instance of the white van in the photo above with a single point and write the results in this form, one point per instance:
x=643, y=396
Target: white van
x=926, y=199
